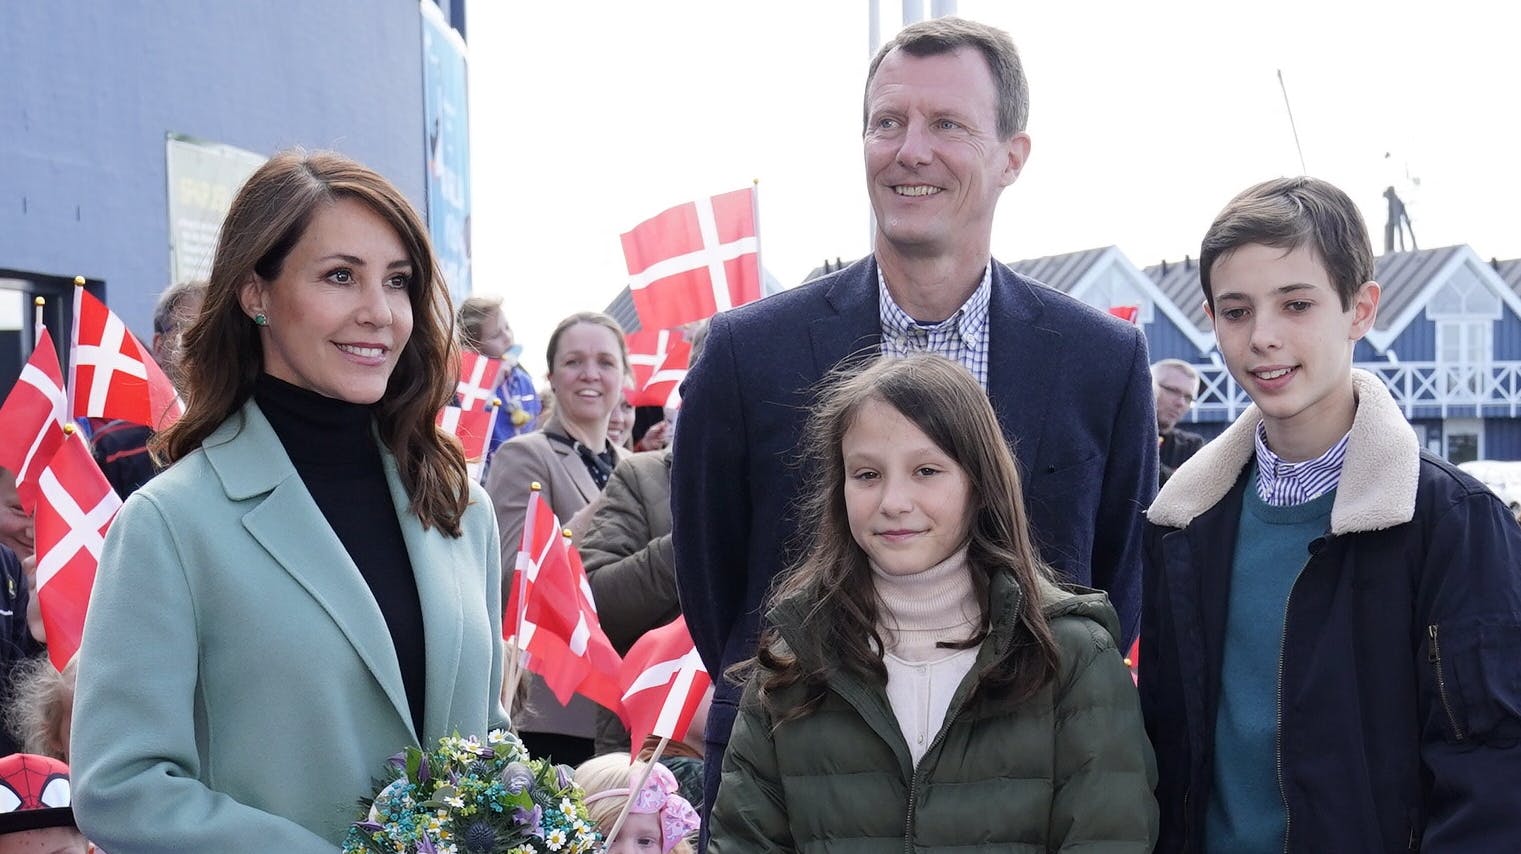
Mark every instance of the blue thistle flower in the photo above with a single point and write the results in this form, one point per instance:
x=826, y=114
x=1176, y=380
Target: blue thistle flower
x=479, y=837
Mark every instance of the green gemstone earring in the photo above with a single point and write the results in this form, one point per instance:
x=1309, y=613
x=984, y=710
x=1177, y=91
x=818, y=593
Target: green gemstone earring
x=260, y=320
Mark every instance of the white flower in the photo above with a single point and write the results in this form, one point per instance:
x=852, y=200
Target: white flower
x=555, y=839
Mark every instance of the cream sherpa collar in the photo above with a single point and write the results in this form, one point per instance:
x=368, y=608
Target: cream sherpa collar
x=1378, y=479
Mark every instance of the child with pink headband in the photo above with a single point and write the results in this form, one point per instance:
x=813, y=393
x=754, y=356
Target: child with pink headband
x=659, y=819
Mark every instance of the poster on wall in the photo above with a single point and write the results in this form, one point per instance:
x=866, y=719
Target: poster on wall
x=446, y=124
x=203, y=178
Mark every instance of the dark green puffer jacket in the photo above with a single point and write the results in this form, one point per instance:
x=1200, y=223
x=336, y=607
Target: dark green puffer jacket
x=1068, y=769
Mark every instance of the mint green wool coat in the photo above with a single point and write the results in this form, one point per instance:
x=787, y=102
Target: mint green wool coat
x=238, y=688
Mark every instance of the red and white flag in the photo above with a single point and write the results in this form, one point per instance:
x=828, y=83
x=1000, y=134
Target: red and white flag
x=472, y=427
x=659, y=359
x=695, y=260
x=558, y=626
x=113, y=375
x=663, y=681
x=1127, y=313
x=75, y=507
x=32, y=419
x=478, y=377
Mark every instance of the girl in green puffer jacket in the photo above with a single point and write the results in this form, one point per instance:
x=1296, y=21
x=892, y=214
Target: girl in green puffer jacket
x=923, y=683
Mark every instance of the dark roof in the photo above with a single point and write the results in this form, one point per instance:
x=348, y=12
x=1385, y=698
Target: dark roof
x=1061, y=272
x=1510, y=271
x=1402, y=276
x=622, y=310
x=1179, y=281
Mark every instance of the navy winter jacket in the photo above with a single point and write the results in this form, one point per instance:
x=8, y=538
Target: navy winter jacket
x=1400, y=672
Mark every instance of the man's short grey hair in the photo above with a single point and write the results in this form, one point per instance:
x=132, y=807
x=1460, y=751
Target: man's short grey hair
x=166, y=310
x=1158, y=368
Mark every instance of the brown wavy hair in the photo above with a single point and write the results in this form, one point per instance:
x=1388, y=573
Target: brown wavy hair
x=840, y=628
x=224, y=355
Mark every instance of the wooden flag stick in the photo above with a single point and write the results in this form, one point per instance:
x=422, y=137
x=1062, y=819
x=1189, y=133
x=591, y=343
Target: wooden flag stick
x=649, y=768
x=39, y=323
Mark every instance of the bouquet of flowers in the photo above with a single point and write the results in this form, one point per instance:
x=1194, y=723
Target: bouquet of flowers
x=466, y=797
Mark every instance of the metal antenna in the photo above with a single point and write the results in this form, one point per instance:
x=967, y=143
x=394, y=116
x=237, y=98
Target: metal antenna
x=1304, y=170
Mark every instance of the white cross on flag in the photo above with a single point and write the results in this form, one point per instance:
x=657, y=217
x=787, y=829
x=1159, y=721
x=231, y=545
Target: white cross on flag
x=472, y=427
x=557, y=620
x=478, y=377
x=663, y=681
x=76, y=505
x=694, y=260
x=659, y=362
x=112, y=375
x=32, y=418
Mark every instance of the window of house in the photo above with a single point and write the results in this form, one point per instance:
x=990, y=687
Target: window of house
x=1464, y=312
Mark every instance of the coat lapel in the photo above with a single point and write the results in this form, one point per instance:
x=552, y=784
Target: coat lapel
x=1022, y=360
x=439, y=595
x=571, y=463
x=249, y=459
x=854, y=330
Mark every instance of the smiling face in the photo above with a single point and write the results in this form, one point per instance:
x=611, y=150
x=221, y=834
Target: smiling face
x=340, y=311
x=620, y=425
x=935, y=166
x=1288, y=342
x=587, y=375
x=909, y=504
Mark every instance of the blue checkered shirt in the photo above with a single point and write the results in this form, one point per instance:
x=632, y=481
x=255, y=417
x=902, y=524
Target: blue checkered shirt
x=962, y=337
x=1282, y=484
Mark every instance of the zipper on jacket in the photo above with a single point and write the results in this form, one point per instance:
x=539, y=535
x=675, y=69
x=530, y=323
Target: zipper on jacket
x=1283, y=641
x=913, y=784
x=1434, y=656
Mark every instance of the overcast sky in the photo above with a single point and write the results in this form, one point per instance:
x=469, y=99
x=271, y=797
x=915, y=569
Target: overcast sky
x=588, y=117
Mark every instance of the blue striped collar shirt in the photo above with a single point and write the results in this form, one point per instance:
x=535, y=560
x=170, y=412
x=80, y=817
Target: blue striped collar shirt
x=1284, y=484
x=962, y=337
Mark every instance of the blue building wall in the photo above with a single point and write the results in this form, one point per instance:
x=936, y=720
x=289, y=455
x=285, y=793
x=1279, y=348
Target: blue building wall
x=1502, y=439
x=91, y=90
x=1507, y=337
x=1165, y=341
x=1415, y=343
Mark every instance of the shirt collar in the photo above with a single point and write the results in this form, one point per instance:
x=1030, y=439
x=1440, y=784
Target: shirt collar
x=1283, y=483
x=968, y=321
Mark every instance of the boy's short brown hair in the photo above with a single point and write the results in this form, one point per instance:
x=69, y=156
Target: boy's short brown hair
x=1287, y=213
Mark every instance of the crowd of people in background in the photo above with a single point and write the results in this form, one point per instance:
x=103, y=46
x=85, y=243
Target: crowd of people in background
x=910, y=513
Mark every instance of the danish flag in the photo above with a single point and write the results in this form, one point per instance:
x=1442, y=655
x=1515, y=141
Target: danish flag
x=472, y=427
x=478, y=377
x=663, y=682
x=557, y=621
x=694, y=260
x=659, y=361
x=1127, y=313
x=32, y=419
x=112, y=375
x=76, y=505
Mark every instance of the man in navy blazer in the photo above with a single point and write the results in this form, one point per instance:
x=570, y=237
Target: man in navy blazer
x=945, y=108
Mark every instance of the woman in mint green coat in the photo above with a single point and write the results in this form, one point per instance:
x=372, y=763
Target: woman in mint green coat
x=313, y=584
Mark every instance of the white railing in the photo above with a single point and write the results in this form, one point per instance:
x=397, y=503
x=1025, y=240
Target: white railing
x=1414, y=384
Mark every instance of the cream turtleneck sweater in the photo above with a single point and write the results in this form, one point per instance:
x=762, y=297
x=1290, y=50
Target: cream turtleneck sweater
x=917, y=612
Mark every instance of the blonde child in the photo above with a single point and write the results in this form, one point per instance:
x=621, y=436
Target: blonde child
x=923, y=682
x=660, y=820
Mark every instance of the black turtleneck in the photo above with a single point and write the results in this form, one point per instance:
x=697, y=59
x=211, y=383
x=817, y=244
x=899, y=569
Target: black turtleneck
x=332, y=446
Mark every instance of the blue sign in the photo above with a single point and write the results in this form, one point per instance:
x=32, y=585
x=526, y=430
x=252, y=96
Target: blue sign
x=447, y=128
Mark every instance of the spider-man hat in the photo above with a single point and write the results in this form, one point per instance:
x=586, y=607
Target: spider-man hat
x=34, y=793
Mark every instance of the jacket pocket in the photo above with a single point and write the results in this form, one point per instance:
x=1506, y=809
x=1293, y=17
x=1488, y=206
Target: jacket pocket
x=1478, y=680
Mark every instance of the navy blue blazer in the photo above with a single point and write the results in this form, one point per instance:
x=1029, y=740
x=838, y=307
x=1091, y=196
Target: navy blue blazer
x=1072, y=389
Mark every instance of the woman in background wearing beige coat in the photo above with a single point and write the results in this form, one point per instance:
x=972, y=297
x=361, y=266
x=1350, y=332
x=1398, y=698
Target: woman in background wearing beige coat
x=572, y=459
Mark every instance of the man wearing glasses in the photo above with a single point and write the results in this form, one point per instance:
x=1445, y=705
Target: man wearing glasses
x=1176, y=384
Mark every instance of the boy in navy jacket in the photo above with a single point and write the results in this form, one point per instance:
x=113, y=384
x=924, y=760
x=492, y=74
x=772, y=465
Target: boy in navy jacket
x=1331, y=616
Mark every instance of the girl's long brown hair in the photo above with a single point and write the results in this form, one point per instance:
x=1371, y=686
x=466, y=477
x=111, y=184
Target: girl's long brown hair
x=223, y=355
x=839, y=631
